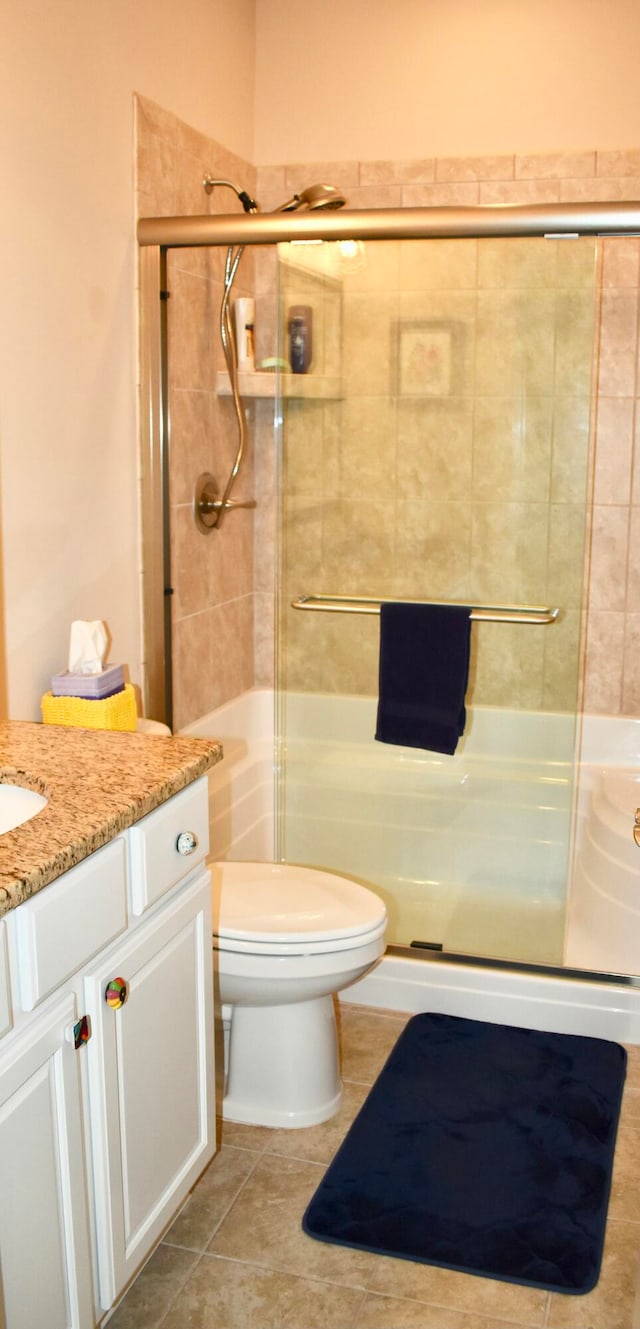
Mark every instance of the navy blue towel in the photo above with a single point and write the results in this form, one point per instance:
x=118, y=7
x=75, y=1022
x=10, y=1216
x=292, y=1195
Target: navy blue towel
x=424, y=670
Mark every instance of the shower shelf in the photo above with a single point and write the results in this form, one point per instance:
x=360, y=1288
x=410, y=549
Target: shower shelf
x=323, y=387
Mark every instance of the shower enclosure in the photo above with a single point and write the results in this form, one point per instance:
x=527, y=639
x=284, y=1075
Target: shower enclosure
x=443, y=457
x=439, y=449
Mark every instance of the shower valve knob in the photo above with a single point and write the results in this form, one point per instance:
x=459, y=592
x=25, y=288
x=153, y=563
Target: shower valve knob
x=636, y=829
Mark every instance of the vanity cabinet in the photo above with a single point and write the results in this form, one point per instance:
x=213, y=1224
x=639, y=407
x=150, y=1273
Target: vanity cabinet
x=107, y=1111
x=45, y=1257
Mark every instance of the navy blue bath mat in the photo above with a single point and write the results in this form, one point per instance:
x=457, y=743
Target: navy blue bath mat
x=481, y=1148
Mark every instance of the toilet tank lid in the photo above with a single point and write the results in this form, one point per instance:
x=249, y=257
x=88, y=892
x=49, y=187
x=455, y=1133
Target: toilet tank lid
x=279, y=901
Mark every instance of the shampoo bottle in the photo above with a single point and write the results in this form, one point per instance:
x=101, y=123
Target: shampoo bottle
x=300, y=325
x=245, y=318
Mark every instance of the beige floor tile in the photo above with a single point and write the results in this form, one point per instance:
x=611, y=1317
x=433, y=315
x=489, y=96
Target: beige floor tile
x=624, y=1202
x=366, y=1039
x=256, y=1138
x=263, y=1227
x=319, y=1144
x=261, y=1271
x=611, y=1304
x=210, y=1199
x=146, y=1302
x=393, y=1313
x=226, y=1295
x=485, y=1297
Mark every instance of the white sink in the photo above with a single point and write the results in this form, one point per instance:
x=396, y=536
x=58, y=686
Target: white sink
x=18, y=804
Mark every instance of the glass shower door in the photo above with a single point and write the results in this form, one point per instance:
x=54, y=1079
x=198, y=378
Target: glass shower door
x=437, y=449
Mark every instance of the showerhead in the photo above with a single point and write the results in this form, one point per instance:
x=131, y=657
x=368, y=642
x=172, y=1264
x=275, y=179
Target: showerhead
x=316, y=196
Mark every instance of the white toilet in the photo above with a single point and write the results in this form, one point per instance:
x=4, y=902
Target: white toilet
x=285, y=939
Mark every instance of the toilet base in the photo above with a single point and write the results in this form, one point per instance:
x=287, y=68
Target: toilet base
x=283, y=1065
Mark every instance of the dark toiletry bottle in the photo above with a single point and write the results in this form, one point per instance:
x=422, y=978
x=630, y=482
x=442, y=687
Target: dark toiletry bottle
x=300, y=338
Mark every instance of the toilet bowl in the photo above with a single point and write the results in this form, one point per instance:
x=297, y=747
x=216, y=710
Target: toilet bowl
x=285, y=939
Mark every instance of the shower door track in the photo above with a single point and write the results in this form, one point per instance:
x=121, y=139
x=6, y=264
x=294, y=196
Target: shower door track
x=156, y=235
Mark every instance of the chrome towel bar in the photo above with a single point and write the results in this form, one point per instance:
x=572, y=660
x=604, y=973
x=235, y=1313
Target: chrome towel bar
x=363, y=604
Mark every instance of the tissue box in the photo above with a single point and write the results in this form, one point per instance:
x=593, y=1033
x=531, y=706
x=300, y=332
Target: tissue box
x=116, y=712
x=95, y=686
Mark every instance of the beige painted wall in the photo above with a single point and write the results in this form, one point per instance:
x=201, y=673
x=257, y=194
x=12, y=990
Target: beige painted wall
x=68, y=427
x=366, y=79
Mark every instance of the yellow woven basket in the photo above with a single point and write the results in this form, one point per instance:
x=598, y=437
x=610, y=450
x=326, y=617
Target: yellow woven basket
x=116, y=712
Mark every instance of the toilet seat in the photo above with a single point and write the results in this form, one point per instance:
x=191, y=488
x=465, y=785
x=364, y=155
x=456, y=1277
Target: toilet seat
x=281, y=909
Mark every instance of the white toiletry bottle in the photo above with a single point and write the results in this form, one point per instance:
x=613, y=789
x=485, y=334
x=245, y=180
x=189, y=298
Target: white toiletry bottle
x=245, y=317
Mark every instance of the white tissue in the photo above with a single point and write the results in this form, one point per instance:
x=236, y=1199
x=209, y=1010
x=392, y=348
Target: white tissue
x=87, y=647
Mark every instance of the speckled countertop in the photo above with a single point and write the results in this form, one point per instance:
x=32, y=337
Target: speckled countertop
x=97, y=782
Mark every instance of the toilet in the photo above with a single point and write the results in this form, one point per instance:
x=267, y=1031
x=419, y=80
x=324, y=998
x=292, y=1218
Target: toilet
x=285, y=939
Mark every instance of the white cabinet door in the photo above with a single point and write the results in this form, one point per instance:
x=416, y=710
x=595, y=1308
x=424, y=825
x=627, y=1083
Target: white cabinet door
x=44, y=1232
x=151, y=1091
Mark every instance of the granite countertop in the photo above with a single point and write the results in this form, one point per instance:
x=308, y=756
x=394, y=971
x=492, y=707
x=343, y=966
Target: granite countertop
x=97, y=782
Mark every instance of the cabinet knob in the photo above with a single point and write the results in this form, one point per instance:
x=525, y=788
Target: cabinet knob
x=186, y=842
x=116, y=993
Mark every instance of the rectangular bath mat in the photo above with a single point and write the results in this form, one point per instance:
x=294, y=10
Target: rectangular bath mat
x=482, y=1148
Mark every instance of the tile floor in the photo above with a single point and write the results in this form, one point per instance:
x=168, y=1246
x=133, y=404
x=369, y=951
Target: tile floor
x=236, y=1257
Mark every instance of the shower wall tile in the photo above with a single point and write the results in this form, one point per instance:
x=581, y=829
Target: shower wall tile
x=620, y=262
x=609, y=551
x=509, y=548
x=500, y=167
x=519, y=191
x=561, y=662
x=212, y=575
x=515, y=342
x=570, y=449
x=343, y=174
x=635, y=466
x=615, y=448
x=574, y=323
x=191, y=432
x=623, y=190
x=633, y=570
x=440, y=195
x=603, y=689
x=447, y=266
x=512, y=439
x=432, y=549
x=631, y=672
x=515, y=264
x=508, y=666
x=618, y=162
x=618, y=343
x=435, y=449
x=375, y=196
x=555, y=165
x=567, y=539
x=418, y=171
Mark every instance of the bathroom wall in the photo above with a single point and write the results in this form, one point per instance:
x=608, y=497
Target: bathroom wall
x=68, y=345
x=364, y=80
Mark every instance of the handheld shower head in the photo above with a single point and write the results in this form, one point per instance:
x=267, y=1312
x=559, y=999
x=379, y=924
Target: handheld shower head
x=314, y=197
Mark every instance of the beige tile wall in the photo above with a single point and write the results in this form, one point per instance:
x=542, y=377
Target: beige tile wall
x=212, y=575
x=511, y=666
x=223, y=585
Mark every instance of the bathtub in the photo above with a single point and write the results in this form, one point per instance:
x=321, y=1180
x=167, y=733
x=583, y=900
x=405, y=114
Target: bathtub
x=375, y=812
